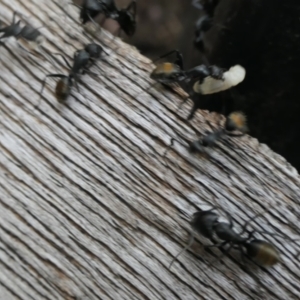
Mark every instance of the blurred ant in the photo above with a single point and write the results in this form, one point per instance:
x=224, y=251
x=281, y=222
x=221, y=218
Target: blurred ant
x=235, y=125
x=13, y=29
x=203, y=24
x=90, y=9
x=27, y=34
x=126, y=18
x=82, y=61
x=206, y=223
x=235, y=122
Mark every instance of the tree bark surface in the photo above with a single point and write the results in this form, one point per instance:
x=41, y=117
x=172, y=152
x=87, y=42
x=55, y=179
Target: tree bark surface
x=90, y=209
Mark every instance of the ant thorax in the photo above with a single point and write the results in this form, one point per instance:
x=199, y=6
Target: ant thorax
x=167, y=73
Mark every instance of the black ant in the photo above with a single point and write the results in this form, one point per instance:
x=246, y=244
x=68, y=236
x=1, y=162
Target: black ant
x=27, y=32
x=206, y=224
x=81, y=61
x=167, y=73
x=235, y=125
x=90, y=9
x=235, y=122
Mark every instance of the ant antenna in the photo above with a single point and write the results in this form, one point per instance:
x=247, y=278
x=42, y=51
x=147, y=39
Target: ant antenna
x=265, y=231
x=189, y=244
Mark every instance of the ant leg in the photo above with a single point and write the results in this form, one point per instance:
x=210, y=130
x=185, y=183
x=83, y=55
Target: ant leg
x=169, y=148
x=192, y=112
x=77, y=86
x=44, y=83
x=178, y=56
x=14, y=17
x=276, y=234
x=94, y=23
x=221, y=256
x=253, y=218
x=189, y=244
x=132, y=6
x=181, y=104
x=219, y=245
x=151, y=86
x=65, y=60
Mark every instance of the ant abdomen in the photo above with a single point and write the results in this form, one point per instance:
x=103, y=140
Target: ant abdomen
x=63, y=89
x=262, y=253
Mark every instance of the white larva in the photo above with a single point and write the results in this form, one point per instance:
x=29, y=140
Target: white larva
x=232, y=77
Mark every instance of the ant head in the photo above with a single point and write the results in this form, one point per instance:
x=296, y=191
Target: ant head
x=203, y=221
x=63, y=89
x=236, y=121
x=94, y=50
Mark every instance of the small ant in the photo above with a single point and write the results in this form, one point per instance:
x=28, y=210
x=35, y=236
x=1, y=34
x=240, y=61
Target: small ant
x=206, y=223
x=235, y=122
x=235, y=125
x=167, y=73
x=82, y=60
x=32, y=36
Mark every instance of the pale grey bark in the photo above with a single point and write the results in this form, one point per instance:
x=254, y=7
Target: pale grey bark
x=89, y=208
